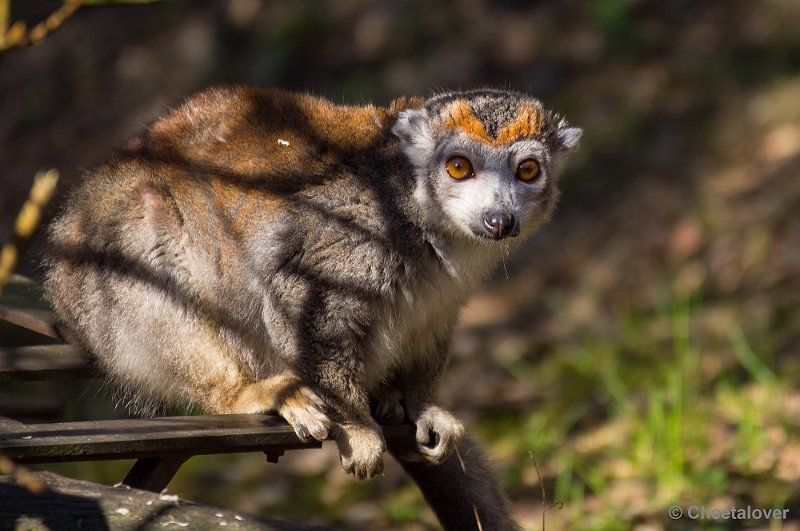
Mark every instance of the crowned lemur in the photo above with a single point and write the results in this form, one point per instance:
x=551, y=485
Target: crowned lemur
x=257, y=250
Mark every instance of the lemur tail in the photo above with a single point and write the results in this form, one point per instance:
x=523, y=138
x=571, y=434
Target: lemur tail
x=462, y=491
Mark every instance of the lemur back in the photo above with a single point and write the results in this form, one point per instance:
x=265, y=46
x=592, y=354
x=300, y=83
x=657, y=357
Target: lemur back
x=257, y=250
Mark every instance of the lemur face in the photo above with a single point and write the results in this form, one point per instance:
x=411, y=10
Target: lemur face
x=486, y=161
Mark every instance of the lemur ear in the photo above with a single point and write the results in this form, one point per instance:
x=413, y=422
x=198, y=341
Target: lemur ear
x=412, y=125
x=413, y=130
x=567, y=138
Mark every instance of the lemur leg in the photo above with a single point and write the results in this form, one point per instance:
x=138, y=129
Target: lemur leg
x=165, y=350
x=221, y=382
x=195, y=363
x=358, y=437
x=320, y=331
x=438, y=432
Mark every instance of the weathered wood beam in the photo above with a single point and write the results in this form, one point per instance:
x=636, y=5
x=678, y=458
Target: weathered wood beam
x=42, y=322
x=23, y=304
x=73, y=504
x=45, y=362
x=158, y=437
x=137, y=438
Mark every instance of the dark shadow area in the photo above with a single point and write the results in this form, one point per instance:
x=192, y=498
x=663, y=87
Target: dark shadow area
x=54, y=510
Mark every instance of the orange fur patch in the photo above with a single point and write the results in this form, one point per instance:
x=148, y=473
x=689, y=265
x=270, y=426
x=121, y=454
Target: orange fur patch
x=460, y=116
x=529, y=122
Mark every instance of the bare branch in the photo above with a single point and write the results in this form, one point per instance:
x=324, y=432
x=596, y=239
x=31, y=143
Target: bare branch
x=44, y=185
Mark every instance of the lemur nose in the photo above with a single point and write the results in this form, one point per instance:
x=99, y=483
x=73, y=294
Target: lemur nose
x=500, y=224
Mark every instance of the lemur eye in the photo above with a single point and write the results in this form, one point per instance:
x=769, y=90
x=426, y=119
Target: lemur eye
x=528, y=170
x=459, y=168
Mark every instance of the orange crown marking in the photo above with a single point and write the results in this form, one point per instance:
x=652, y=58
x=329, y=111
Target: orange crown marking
x=460, y=116
x=529, y=122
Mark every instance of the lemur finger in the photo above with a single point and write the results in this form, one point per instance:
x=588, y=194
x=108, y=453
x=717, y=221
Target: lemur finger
x=424, y=433
x=313, y=398
x=298, y=427
x=302, y=432
x=435, y=455
x=319, y=430
x=361, y=449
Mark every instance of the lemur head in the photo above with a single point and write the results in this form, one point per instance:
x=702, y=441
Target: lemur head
x=485, y=160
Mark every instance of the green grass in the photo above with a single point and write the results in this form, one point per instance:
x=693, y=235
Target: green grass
x=665, y=430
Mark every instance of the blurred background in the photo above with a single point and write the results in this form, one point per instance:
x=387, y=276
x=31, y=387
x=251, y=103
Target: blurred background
x=642, y=351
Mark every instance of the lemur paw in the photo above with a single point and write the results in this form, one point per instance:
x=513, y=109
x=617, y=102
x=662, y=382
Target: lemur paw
x=361, y=450
x=286, y=395
x=438, y=434
x=305, y=412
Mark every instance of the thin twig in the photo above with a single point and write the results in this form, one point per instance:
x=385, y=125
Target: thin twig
x=545, y=507
x=17, y=36
x=5, y=13
x=108, y=2
x=54, y=21
x=44, y=186
x=541, y=485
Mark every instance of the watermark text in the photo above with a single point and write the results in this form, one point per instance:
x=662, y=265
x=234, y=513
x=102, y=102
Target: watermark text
x=700, y=512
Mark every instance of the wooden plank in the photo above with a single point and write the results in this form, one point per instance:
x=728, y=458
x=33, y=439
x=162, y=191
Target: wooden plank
x=42, y=322
x=23, y=304
x=45, y=362
x=158, y=437
x=7, y=424
x=74, y=504
x=36, y=403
